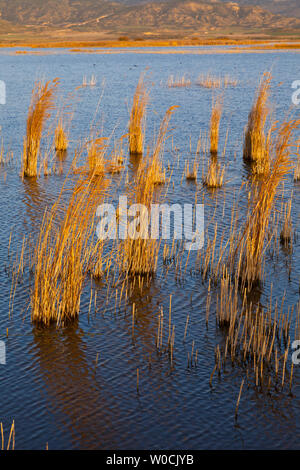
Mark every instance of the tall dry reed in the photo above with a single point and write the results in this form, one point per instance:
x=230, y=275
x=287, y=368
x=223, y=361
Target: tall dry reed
x=215, y=119
x=262, y=198
x=256, y=144
x=41, y=105
x=137, y=121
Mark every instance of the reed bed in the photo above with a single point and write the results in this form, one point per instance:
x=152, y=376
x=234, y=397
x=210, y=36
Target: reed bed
x=11, y=439
x=62, y=255
x=212, y=81
x=179, y=82
x=96, y=153
x=156, y=172
x=257, y=139
x=216, y=113
x=137, y=123
x=89, y=82
x=41, y=105
x=297, y=167
x=262, y=198
x=214, y=177
x=256, y=339
x=138, y=254
x=60, y=137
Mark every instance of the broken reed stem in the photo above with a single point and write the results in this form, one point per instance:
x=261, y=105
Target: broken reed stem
x=256, y=142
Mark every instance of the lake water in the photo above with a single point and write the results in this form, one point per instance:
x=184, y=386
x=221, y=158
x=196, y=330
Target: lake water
x=50, y=384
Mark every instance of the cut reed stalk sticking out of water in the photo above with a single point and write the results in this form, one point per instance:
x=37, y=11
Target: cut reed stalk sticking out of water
x=216, y=114
x=262, y=197
x=178, y=82
x=41, y=105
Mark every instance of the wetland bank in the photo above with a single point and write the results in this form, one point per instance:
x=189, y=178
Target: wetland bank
x=139, y=343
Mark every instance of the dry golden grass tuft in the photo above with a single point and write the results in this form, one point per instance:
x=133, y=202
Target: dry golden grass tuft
x=217, y=107
x=42, y=103
x=11, y=439
x=60, y=138
x=256, y=144
x=178, y=82
x=214, y=177
x=63, y=253
x=138, y=118
x=262, y=198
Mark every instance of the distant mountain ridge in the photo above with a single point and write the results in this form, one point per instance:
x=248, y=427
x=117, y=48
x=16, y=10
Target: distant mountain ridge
x=288, y=8
x=168, y=17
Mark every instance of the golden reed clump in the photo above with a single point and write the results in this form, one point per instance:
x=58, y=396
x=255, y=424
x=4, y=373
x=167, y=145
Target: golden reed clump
x=11, y=439
x=215, y=119
x=256, y=144
x=214, y=177
x=42, y=102
x=256, y=338
x=139, y=256
x=262, y=198
x=137, y=121
x=96, y=155
x=63, y=253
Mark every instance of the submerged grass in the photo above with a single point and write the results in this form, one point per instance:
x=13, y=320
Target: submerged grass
x=137, y=121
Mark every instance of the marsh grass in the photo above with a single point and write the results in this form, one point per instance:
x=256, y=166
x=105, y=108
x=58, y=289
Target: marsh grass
x=137, y=123
x=211, y=81
x=41, y=105
x=11, y=439
x=60, y=137
x=214, y=177
x=297, y=167
x=216, y=113
x=262, y=198
x=62, y=254
x=256, y=143
x=286, y=233
x=179, y=82
x=96, y=153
